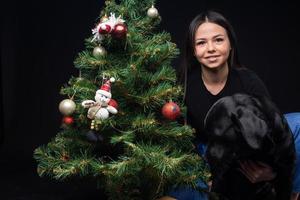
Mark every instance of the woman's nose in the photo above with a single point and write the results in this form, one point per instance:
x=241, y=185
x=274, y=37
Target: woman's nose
x=210, y=47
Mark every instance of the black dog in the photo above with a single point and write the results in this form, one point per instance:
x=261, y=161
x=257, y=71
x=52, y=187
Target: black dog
x=243, y=127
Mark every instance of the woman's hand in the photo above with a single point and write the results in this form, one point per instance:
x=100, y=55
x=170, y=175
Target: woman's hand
x=257, y=171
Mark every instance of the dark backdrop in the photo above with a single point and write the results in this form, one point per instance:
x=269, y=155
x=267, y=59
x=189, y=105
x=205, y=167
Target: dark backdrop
x=40, y=40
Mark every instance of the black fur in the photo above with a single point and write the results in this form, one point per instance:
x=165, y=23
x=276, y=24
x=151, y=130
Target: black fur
x=243, y=127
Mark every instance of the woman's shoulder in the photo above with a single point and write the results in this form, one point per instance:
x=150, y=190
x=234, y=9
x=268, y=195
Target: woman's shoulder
x=247, y=75
x=251, y=82
x=244, y=71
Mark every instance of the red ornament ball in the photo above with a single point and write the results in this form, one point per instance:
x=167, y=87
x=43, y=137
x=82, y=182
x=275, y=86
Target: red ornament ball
x=68, y=120
x=119, y=31
x=104, y=29
x=113, y=103
x=170, y=110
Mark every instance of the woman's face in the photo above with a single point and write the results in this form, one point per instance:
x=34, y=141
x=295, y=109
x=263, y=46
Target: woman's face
x=212, y=45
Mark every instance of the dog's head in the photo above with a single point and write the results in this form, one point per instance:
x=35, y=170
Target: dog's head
x=238, y=127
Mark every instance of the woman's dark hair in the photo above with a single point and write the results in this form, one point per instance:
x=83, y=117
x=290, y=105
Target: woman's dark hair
x=189, y=60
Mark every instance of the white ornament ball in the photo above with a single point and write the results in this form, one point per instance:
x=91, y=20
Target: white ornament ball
x=152, y=12
x=67, y=107
x=99, y=51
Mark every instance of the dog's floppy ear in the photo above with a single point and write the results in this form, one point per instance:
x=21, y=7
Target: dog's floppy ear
x=280, y=130
x=252, y=128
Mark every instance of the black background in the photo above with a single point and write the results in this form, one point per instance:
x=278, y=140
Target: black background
x=41, y=39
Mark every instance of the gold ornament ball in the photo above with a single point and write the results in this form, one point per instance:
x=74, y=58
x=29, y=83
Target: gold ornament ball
x=99, y=51
x=152, y=12
x=67, y=107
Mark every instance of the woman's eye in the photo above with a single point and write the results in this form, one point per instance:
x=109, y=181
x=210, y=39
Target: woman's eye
x=201, y=43
x=219, y=40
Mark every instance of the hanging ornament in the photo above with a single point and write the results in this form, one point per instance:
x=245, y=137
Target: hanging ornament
x=106, y=26
x=99, y=52
x=92, y=136
x=68, y=120
x=152, y=12
x=170, y=110
x=67, y=107
x=100, y=109
x=120, y=31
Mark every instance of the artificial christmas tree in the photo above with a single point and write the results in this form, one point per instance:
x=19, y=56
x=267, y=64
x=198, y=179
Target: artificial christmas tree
x=114, y=130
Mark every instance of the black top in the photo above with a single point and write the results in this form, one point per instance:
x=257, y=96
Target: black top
x=199, y=99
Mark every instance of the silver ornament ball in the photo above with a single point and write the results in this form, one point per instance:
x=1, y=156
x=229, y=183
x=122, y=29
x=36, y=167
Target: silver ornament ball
x=99, y=51
x=152, y=12
x=67, y=107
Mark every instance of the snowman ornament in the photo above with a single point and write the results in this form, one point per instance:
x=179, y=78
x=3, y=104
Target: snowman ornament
x=100, y=109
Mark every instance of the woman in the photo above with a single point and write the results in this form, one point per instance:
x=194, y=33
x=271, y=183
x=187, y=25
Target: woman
x=211, y=71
